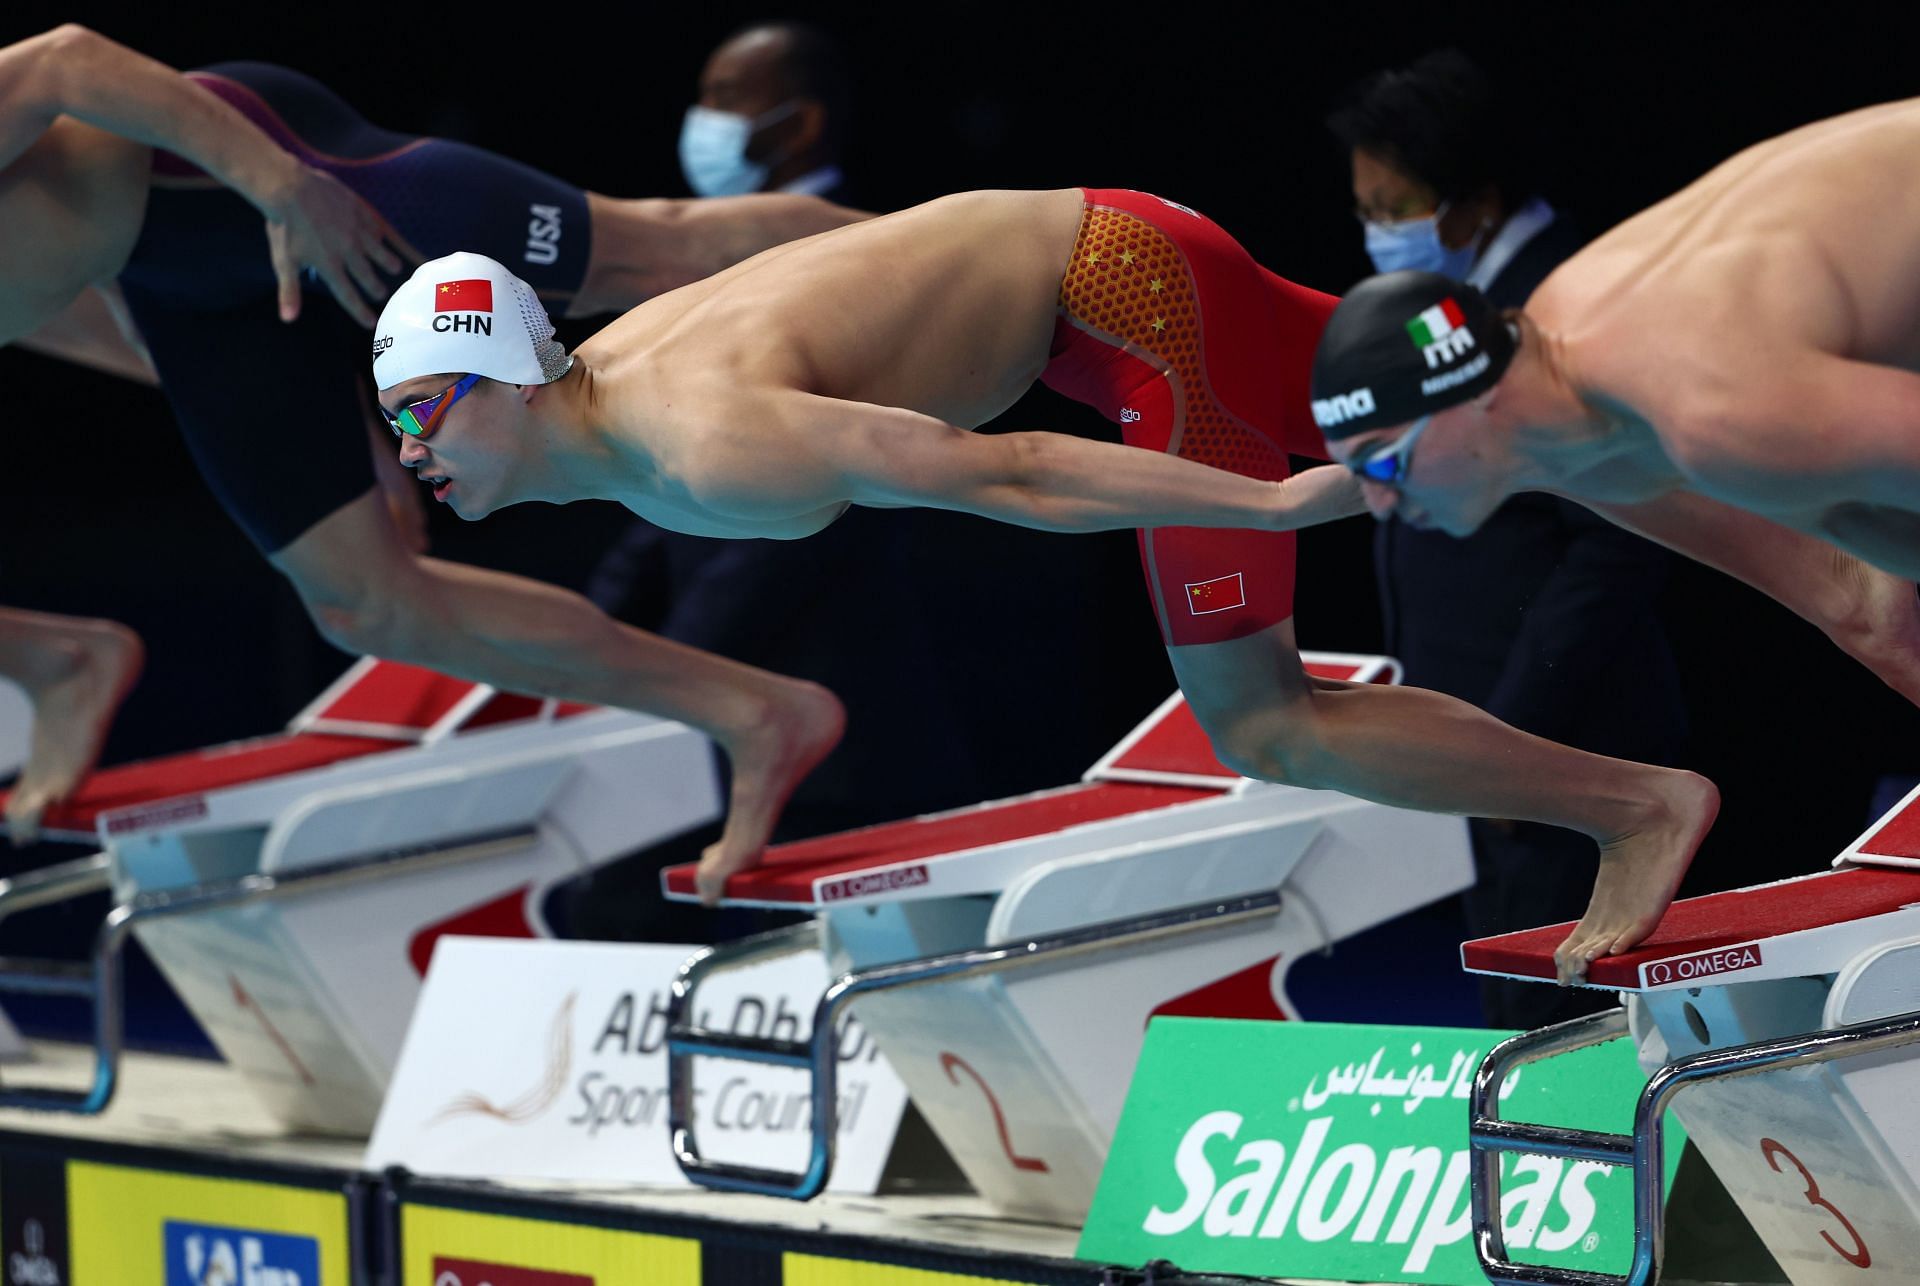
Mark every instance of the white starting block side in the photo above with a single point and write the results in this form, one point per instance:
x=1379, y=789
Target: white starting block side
x=1823, y=1157
x=16, y=727
x=490, y=798
x=1022, y=1074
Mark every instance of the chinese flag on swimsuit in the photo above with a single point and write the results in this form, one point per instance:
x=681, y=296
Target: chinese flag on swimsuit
x=474, y=295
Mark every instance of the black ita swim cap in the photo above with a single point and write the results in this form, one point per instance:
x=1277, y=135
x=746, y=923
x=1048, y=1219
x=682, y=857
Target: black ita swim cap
x=1403, y=345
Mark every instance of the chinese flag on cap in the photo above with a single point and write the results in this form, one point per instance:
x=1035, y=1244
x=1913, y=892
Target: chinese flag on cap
x=474, y=295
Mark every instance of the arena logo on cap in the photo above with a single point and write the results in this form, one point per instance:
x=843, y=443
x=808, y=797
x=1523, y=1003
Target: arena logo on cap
x=1341, y=407
x=458, y=305
x=1440, y=333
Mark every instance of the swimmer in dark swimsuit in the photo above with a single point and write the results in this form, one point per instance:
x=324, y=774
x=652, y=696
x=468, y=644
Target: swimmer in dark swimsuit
x=766, y=400
x=132, y=199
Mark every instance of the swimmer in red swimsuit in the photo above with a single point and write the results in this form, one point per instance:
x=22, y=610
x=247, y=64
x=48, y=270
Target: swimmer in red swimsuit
x=847, y=368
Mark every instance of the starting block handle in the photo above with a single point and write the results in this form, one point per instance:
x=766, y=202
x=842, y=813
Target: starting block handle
x=102, y=981
x=98, y=983
x=1645, y=1148
x=819, y=1053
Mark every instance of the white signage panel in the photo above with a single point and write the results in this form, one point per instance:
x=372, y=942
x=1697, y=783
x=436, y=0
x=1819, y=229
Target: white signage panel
x=538, y=1059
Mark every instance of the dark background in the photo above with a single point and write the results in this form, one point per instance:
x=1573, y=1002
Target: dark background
x=1216, y=107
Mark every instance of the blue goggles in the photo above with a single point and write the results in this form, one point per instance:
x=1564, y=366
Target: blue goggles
x=1389, y=462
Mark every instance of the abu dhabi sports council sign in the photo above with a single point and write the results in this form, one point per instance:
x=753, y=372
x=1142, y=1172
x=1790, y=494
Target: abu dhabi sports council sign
x=1337, y=1151
x=531, y=1058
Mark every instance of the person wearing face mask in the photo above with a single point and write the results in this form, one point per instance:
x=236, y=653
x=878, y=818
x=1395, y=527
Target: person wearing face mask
x=772, y=111
x=1546, y=616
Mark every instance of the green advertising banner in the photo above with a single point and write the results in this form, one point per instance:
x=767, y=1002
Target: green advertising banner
x=1336, y=1151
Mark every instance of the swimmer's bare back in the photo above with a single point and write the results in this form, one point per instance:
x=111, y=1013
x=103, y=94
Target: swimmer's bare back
x=1764, y=319
x=946, y=309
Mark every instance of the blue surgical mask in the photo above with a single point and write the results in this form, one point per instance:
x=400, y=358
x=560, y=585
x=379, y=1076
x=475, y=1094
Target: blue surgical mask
x=1415, y=243
x=713, y=150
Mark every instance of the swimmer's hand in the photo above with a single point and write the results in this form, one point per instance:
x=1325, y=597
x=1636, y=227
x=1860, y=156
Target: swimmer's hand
x=1320, y=494
x=315, y=221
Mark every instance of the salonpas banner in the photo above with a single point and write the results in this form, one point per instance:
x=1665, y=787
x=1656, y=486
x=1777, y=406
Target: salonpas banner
x=1339, y=1151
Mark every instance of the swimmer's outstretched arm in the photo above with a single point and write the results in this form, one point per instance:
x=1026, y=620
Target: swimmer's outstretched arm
x=312, y=219
x=647, y=246
x=831, y=450
x=1871, y=615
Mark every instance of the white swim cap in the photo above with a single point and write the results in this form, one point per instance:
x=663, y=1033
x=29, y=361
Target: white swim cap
x=466, y=313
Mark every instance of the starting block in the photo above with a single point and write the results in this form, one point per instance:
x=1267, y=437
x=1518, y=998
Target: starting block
x=16, y=724
x=1213, y=884
x=1787, y=1012
x=291, y=887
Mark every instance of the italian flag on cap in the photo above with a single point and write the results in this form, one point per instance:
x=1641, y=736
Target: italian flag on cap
x=1435, y=323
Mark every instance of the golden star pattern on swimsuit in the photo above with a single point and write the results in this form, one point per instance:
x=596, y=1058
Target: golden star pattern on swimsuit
x=1129, y=280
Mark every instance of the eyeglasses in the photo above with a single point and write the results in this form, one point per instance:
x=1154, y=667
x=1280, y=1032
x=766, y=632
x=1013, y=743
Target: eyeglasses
x=1389, y=462
x=420, y=419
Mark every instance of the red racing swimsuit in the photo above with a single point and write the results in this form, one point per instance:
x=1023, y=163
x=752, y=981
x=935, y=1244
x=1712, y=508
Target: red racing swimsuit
x=1171, y=330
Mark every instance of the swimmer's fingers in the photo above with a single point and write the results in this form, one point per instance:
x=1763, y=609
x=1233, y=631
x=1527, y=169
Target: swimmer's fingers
x=386, y=247
x=340, y=281
x=366, y=275
x=286, y=269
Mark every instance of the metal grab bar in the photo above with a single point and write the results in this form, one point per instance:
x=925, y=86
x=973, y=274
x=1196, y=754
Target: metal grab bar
x=818, y=1054
x=1645, y=1148
x=101, y=980
x=56, y=883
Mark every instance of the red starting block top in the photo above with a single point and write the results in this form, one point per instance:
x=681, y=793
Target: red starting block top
x=807, y=871
x=1894, y=840
x=183, y=779
x=374, y=706
x=1794, y=928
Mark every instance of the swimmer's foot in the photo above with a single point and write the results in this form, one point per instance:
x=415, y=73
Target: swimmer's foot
x=1881, y=629
x=1640, y=871
x=800, y=726
x=80, y=677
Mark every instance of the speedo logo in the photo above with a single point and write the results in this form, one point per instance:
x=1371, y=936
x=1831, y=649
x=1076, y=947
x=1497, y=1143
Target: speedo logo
x=1415, y=1197
x=1341, y=407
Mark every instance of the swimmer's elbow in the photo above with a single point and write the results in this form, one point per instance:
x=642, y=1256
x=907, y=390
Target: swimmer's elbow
x=64, y=57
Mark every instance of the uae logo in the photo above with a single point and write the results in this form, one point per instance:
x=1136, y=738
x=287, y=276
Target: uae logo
x=542, y=1095
x=1440, y=333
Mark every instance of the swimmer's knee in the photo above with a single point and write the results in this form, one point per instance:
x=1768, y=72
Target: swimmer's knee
x=1283, y=747
x=352, y=616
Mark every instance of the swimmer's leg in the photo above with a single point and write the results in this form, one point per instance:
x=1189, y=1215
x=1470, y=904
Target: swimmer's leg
x=1417, y=749
x=76, y=672
x=370, y=596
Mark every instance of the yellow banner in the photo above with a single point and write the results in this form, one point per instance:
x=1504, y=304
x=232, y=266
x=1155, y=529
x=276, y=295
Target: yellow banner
x=813, y=1270
x=440, y=1246
x=153, y=1228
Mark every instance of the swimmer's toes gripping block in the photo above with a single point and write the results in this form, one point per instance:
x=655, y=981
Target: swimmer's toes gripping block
x=101, y=980
x=817, y=1055
x=1645, y=1148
